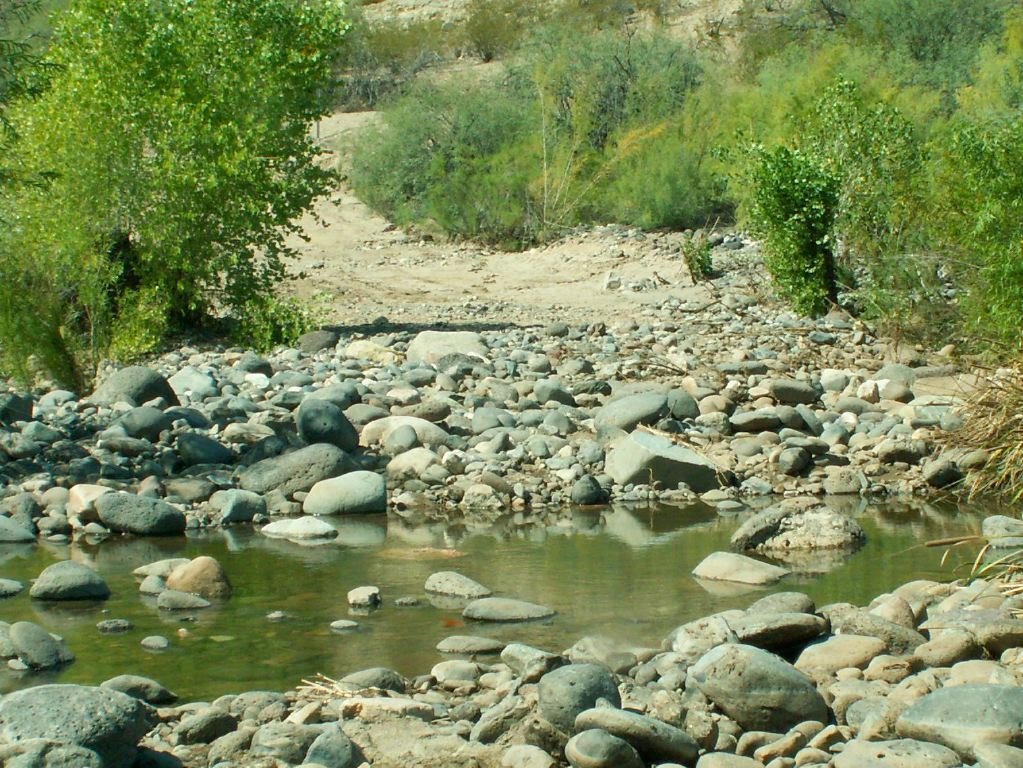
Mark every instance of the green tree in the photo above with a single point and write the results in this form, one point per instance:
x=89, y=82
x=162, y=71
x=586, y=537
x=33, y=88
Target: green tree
x=176, y=133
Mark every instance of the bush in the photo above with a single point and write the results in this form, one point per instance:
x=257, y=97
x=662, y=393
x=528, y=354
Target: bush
x=175, y=136
x=795, y=204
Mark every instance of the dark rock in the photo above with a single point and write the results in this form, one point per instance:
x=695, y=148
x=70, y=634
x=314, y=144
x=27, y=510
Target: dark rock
x=321, y=421
x=135, y=384
x=296, y=471
x=141, y=515
x=567, y=691
x=143, y=688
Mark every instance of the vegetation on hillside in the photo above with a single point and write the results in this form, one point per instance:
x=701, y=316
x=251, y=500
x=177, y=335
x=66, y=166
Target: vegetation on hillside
x=874, y=145
x=167, y=157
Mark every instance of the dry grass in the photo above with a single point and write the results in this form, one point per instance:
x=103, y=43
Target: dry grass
x=994, y=423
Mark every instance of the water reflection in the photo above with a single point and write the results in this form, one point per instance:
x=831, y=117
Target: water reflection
x=618, y=572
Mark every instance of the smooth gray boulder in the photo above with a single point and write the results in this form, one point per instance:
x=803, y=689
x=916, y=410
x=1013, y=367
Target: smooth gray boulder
x=296, y=471
x=455, y=584
x=895, y=753
x=628, y=412
x=37, y=648
x=963, y=716
x=656, y=741
x=193, y=448
x=237, y=506
x=1002, y=531
x=644, y=457
x=108, y=722
x=776, y=631
x=757, y=689
x=136, y=385
x=14, y=407
x=320, y=421
x=374, y=677
x=595, y=748
x=566, y=692
x=505, y=609
x=729, y=566
x=143, y=688
x=145, y=422
x=69, y=580
x=333, y=749
x=352, y=493
x=140, y=515
x=13, y=532
x=190, y=383
x=10, y=588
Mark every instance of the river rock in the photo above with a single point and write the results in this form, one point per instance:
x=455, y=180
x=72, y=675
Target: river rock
x=105, y=721
x=644, y=457
x=299, y=529
x=378, y=431
x=296, y=471
x=566, y=692
x=10, y=588
x=364, y=597
x=316, y=341
x=37, y=648
x=192, y=384
x=237, y=506
x=963, y=716
x=145, y=422
x=776, y=631
x=205, y=725
x=136, y=385
x=13, y=532
x=728, y=566
x=599, y=749
x=140, y=515
x=898, y=753
x=320, y=421
x=792, y=392
x=14, y=407
x=454, y=584
x=798, y=525
x=193, y=449
x=381, y=678
x=430, y=347
x=333, y=749
x=470, y=645
x=353, y=493
x=1002, y=531
x=69, y=580
x=505, y=609
x=176, y=600
x=757, y=689
x=627, y=412
x=656, y=741
x=824, y=658
x=143, y=688
x=202, y=576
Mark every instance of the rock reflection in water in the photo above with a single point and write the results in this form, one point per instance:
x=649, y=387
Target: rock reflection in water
x=621, y=572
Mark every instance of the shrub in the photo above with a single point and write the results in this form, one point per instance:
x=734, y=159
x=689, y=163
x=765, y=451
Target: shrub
x=175, y=135
x=795, y=204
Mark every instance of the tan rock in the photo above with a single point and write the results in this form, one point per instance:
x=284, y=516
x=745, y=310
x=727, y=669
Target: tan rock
x=202, y=576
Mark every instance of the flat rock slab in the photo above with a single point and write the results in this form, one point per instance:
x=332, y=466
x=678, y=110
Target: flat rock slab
x=644, y=457
x=468, y=644
x=728, y=566
x=299, y=529
x=963, y=716
x=505, y=609
x=897, y=753
x=296, y=471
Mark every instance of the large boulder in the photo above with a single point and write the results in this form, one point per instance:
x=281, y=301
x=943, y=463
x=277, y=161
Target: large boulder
x=757, y=689
x=644, y=457
x=798, y=525
x=964, y=716
x=69, y=580
x=568, y=691
x=105, y=721
x=630, y=411
x=141, y=515
x=296, y=471
x=136, y=385
x=353, y=493
x=202, y=576
x=431, y=347
x=320, y=421
x=36, y=648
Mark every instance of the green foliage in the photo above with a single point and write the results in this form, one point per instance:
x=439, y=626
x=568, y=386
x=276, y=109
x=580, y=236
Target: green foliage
x=566, y=137
x=269, y=321
x=380, y=59
x=795, y=204
x=176, y=138
x=494, y=28
x=696, y=252
x=982, y=216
